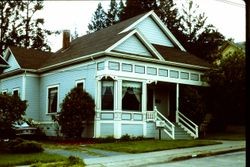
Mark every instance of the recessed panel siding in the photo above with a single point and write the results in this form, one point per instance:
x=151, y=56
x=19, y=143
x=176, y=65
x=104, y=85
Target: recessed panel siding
x=134, y=46
x=151, y=129
x=153, y=33
x=107, y=129
x=132, y=129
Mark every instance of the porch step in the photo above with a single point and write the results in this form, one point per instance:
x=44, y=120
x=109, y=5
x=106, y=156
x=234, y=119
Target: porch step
x=180, y=134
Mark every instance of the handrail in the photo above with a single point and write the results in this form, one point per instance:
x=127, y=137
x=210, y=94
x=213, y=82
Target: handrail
x=188, y=125
x=169, y=126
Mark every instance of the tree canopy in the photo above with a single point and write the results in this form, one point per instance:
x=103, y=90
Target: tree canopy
x=19, y=27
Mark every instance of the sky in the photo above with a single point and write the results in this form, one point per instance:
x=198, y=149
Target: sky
x=228, y=16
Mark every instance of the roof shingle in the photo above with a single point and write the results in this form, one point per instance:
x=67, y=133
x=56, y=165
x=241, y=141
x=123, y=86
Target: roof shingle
x=176, y=55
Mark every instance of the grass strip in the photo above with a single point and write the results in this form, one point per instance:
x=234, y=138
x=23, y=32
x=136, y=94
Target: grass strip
x=151, y=145
x=7, y=160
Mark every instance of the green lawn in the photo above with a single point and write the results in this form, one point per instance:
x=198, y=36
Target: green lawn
x=25, y=159
x=151, y=145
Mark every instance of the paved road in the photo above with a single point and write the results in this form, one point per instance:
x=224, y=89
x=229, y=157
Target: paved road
x=236, y=159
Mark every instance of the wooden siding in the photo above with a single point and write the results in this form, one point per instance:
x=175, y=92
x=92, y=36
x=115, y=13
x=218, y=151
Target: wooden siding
x=12, y=83
x=151, y=129
x=132, y=129
x=65, y=80
x=107, y=129
x=153, y=33
x=133, y=46
x=32, y=95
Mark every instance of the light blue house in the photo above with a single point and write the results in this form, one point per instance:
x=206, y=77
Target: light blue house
x=132, y=70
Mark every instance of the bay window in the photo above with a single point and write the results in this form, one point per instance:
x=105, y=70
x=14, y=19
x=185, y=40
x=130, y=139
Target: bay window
x=107, y=95
x=131, y=96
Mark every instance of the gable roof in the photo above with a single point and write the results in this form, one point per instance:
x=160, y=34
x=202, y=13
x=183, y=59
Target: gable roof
x=25, y=57
x=99, y=43
x=3, y=63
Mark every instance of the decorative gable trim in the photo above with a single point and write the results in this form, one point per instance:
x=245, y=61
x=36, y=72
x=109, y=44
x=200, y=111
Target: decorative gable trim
x=160, y=24
x=167, y=31
x=7, y=57
x=144, y=41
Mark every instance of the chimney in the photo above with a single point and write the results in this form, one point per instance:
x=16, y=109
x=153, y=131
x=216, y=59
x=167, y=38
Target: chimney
x=66, y=39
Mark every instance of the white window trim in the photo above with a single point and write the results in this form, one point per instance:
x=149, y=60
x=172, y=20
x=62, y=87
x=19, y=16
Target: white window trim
x=80, y=81
x=5, y=91
x=47, y=98
x=16, y=89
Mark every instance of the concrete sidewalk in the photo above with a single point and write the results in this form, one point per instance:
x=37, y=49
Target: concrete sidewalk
x=143, y=159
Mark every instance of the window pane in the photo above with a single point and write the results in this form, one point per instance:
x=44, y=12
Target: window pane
x=15, y=93
x=52, y=101
x=79, y=85
x=107, y=95
x=114, y=66
x=131, y=96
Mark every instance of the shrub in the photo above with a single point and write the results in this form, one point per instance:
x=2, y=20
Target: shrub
x=12, y=108
x=77, y=106
x=24, y=146
x=74, y=160
x=126, y=138
x=108, y=139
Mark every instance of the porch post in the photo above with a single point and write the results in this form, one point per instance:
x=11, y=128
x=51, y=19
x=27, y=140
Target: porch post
x=177, y=103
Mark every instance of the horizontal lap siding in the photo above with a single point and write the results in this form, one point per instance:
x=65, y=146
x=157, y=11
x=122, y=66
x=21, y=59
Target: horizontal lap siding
x=66, y=80
x=153, y=33
x=12, y=83
x=134, y=46
x=32, y=95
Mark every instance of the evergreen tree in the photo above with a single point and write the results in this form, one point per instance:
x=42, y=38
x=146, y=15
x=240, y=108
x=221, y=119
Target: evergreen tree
x=20, y=28
x=99, y=20
x=113, y=13
x=136, y=7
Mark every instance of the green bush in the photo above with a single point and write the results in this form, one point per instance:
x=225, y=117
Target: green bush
x=126, y=138
x=74, y=160
x=77, y=106
x=12, y=108
x=108, y=139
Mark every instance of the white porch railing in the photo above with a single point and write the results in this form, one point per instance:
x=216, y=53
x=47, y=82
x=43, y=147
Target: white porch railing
x=188, y=125
x=168, y=127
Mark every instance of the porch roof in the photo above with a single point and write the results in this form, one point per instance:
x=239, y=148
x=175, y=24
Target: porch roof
x=176, y=55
